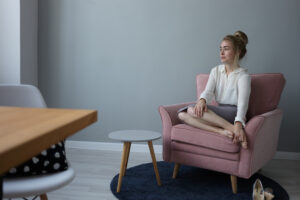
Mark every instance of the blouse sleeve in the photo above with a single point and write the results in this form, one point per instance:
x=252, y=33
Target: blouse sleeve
x=209, y=92
x=244, y=89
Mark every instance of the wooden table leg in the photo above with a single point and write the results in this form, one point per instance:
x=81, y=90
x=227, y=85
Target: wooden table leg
x=43, y=197
x=154, y=162
x=127, y=157
x=123, y=162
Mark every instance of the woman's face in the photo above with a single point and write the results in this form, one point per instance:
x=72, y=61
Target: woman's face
x=227, y=52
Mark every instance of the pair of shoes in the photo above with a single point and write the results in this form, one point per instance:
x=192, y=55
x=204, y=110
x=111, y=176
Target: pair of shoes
x=259, y=193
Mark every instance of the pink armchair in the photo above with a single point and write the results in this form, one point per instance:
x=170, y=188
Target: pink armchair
x=183, y=144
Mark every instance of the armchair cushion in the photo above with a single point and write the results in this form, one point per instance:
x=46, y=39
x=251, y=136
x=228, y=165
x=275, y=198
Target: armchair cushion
x=190, y=135
x=204, y=151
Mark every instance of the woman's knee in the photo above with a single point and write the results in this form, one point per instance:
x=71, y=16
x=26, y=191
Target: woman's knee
x=209, y=110
x=191, y=112
x=182, y=116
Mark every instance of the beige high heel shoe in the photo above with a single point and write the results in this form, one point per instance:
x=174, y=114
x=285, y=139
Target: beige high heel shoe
x=268, y=194
x=258, y=190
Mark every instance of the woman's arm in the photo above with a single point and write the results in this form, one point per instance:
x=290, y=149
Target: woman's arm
x=209, y=91
x=244, y=89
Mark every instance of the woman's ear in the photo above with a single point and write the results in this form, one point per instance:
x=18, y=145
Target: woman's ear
x=237, y=56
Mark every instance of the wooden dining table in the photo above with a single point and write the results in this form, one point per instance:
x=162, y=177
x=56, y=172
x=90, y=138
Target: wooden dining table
x=25, y=132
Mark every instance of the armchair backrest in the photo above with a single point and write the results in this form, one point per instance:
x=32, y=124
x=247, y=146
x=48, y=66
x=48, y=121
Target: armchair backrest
x=265, y=94
x=21, y=96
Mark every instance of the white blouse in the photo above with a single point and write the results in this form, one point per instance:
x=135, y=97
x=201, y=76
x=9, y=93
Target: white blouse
x=233, y=89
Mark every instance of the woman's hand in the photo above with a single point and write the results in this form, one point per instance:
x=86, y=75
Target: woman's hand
x=200, y=108
x=239, y=135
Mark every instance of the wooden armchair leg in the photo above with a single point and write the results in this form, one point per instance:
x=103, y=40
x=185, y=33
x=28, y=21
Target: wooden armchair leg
x=43, y=197
x=234, y=183
x=176, y=169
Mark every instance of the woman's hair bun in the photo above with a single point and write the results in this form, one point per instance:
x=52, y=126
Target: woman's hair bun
x=242, y=36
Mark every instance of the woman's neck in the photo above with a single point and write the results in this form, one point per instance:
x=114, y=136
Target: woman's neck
x=231, y=67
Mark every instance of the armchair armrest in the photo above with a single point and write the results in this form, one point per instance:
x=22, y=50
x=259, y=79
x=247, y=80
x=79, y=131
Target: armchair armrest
x=169, y=118
x=262, y=133
x=169, y=112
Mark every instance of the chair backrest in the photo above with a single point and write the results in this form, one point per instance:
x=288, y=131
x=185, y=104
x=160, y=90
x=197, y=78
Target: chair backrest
x=265, y=94
x=21, y=96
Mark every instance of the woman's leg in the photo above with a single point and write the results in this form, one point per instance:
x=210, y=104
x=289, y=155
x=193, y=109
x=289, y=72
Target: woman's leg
x=215, y=120
x=199, y=123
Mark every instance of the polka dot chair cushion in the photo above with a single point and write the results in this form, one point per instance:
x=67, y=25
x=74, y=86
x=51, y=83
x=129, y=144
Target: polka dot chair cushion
x=48, y=161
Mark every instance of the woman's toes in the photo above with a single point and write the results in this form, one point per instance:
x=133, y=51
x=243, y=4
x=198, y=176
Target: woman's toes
x=244, y=144
x=241, y=138
x=244, y=141
x=228, y=133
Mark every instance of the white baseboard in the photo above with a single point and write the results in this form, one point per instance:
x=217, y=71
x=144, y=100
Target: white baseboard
x=282, y=155
x=136, y=147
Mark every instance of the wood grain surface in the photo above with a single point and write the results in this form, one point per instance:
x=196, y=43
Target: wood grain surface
x=25, y=132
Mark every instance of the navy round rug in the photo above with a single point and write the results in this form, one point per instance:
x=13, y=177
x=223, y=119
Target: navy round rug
x=191, y=183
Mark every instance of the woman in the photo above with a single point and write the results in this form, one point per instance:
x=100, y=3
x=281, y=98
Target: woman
x=230, y=85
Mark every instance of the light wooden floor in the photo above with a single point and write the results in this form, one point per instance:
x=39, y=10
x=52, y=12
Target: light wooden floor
x=95, y=169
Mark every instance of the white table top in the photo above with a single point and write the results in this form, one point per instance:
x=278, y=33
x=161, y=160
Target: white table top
x=134, y=135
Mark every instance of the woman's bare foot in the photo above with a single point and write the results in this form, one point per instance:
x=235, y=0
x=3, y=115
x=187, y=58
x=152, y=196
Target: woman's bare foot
x=226, y=133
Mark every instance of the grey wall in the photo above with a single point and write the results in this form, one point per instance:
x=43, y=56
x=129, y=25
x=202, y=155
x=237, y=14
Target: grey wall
x=29, y=41
x=125, y=58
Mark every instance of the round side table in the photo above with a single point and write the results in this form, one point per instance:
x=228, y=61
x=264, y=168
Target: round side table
x=129, y=136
